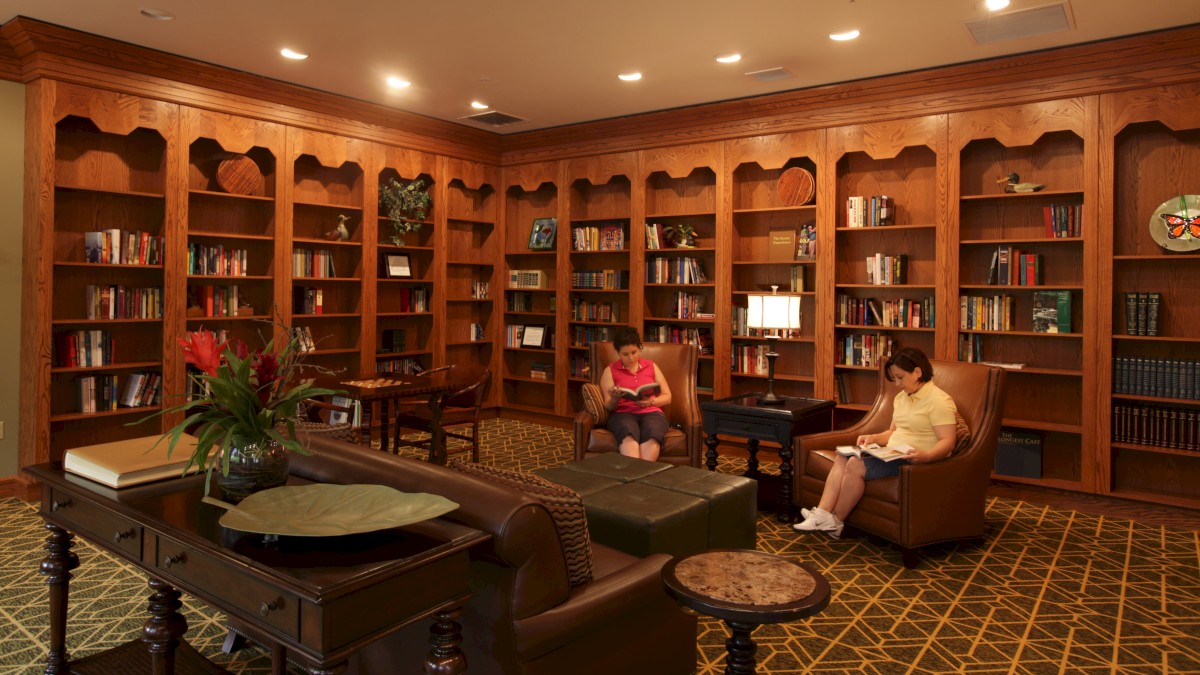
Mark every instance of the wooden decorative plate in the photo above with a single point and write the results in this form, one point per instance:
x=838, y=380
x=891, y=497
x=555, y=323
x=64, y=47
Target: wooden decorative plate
x=239, y=175
x=795, y=187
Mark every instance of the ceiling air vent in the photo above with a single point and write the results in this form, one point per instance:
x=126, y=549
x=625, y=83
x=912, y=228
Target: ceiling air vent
x=771, y=74
x=1022, y=23
x=494, y=118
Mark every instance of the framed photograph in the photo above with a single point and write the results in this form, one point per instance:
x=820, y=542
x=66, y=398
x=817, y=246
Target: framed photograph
x=542, y=236
x=534, y=336
x=398, y=266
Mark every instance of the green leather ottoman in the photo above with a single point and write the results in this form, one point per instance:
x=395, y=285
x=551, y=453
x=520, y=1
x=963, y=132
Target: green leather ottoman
x=641, y=519
x=580, y=481
x=732, y=502
x=616, y=466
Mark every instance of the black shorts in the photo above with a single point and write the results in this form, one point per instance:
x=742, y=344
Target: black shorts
x=642, y=426
x=877, y=468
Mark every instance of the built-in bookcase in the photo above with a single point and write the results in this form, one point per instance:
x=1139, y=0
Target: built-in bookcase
x=1148, y=420
x=1046, y=144
x=758, y=211
x=891, y=301
x=681, y=188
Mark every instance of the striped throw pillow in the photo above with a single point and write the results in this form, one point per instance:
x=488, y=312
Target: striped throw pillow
x=593, y=402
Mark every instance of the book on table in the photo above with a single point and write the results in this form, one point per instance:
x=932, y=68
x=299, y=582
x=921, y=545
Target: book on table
x=648, y=389
x=887, y=454
x=132, y=461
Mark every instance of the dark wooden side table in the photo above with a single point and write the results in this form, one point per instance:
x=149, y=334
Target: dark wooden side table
x=371, y=389
x=316, y=599
x=743, y=416
x=745, y=589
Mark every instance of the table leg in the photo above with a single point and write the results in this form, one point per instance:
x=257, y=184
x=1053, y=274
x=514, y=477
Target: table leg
x=710, y=457
x=783, y=509
x=164, y=627
x=56, y=567
x=437, y=444
x=741, y=658
x=365, y=423
x=445, y=658
x=752, y=460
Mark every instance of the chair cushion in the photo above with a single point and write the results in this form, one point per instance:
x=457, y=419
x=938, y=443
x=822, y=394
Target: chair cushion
x=962, y=434
x=564, y=505
x=593, y=402
x=674, y=443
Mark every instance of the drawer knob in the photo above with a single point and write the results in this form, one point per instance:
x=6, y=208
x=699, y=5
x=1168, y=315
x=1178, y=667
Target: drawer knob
x=120, y=536
x=57, y=505
x=174, y=559
x=268, y=607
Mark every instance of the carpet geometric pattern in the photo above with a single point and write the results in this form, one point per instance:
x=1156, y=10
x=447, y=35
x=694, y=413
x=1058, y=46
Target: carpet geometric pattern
x=1045, y=591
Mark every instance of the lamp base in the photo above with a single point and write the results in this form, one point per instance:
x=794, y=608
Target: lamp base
x=770, y=398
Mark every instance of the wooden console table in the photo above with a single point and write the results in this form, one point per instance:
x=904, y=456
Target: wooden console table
x=315, y=599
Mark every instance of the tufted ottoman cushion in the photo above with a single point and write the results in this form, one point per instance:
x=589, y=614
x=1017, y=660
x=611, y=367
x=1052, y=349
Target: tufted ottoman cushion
x=731, y=500
x=617, y=467
x=642, y=519
x=582, y=482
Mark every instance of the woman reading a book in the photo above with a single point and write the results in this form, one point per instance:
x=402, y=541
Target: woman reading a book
x=636, y=391
x=923, y=425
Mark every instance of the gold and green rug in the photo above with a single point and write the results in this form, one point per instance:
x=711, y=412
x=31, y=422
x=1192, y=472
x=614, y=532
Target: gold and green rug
x=1045, y=591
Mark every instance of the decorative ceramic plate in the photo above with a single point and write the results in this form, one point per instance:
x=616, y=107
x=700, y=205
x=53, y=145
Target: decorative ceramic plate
x=1175, y=225
x=324, y=510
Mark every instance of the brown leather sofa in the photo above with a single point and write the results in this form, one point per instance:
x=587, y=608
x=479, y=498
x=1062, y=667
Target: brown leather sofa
x=524, y=617
x=926, y=503
x=678, y=364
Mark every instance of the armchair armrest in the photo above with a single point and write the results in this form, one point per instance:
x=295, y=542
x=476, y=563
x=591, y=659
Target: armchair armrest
x=584, y=423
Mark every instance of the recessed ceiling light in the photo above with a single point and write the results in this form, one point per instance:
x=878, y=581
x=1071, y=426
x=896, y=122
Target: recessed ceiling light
x=630, y=77
x=293, y=54
x=397, y=83
x=479, y=106
x=994, y=5
x=157, y=14
x=729, y=58
x=842, y=37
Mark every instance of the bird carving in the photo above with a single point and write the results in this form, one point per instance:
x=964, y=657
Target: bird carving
x=340, y=232
x=1012, y=183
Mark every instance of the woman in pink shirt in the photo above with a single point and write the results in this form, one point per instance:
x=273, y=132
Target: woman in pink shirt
x=638, y=423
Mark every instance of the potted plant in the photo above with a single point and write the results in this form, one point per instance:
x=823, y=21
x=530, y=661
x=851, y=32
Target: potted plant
x=682, y=235
x=406, y=205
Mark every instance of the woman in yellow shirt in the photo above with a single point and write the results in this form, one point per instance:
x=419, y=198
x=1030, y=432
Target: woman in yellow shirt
x=923, y=419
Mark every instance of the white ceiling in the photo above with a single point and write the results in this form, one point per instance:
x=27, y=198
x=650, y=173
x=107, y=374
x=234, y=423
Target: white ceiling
x=555, y=62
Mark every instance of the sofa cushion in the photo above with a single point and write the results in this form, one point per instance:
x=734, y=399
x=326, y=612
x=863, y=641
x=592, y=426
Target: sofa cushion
x=564, y=505
x=593, y=402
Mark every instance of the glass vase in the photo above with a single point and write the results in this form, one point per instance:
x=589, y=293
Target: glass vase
x=252, y=467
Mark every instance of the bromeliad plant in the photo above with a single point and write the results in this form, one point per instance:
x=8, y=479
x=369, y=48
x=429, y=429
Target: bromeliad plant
x=241, y=398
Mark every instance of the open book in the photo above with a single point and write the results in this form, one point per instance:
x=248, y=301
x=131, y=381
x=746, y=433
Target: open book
x=887, y=454
x=648, y=389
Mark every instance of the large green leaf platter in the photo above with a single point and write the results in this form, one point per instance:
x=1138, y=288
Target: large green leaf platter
x=325, y=510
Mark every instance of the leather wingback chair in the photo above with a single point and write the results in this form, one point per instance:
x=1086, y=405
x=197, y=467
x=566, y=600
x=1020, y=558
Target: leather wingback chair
x=926, y=503
x=678, y=365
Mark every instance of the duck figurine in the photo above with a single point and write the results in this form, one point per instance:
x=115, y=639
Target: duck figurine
x=340, y=232
x=1012, y=183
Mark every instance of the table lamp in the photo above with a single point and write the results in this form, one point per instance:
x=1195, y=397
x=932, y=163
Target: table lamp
x=773, y=312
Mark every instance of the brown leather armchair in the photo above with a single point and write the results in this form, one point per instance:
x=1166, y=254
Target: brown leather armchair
x=926, y=503
x=678, y=365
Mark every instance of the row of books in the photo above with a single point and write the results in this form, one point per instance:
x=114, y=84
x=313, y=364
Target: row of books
x=122, y=247
x=1063, y=220
x=688, y=306
x=664, y=334
x=413, y=299
x=215, y=300
x=902, y=313
x=874, y=211
x=605, y=312
x=1141, y=312
x=1166, y=378
x=970, y=348
x=304, y=339
x=867, y=350
x=478, y=333
x=1156, y=425
x=409, y=365
x=217, y=260
x=141, y=389
x=539, y=370
x=606, y=279
x=750, y=359
x=887, y=270
x=580, y=366
x=309, y=263
x=480, y=290
x=741, y=326
x=1012, y=267
x=83, y=348
x=392, y=340
x=986, y=313
x=518, y=301
x=121, y=302
x=675, y=270
x=655, y=237
x=99, y=392
x=308, y=300
x=526, y=279
x=582, y=336
x=603, y=237
x=535, y=336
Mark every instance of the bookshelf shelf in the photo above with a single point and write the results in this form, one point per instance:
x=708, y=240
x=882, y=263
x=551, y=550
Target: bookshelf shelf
x=1010, y=240
x=1040, y=195
x=855, y=326
x=777, y=209
x=309, y=203
x=248, y=317
x=1043, y=425
x=888, y=228
x=111, y=266
x=101, y=415
x=213, y=194
x=1057, y=483
x=129, y=365
x=1169, y=339
x=100, y=190
x=233, y=236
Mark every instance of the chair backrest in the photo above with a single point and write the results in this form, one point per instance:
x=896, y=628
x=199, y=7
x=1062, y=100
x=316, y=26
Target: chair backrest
x=975, y=388
x=474, y=395
x=678, y=366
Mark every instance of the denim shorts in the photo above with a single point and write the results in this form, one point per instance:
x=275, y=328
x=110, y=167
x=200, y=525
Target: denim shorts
x=877, y=468
x=642, y=426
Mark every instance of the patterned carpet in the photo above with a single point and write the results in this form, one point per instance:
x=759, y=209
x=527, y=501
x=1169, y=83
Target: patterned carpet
x=1044, y=592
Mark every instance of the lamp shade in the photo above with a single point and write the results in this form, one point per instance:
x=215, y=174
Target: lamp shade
x=773, y=311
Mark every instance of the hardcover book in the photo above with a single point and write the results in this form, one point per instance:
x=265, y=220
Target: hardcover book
x=1052, y=312
x=132, y=461
x=781, y=246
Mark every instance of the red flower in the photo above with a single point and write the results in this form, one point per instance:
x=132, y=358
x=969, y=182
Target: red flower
x=266, y=371
x=200, y=349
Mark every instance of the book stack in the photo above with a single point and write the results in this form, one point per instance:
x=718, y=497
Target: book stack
x=604, y=279
x=1164, y=378
x=874, y=211
x=603, y=237
x=121, y=247
x=867, y=351
x=317, y=264
x=750, y=359
x=409, y=365
x=1013, y=267
x=141, y=389
x=602, y=312
x=83, y=348
x=654, y=236
x=307, y=300
x=205, y=260
x=887, y=270
x=479, y=290
x=1156, y=425
x=1051, y=312
x=121, y=302
x=96, y=392
x=983, y=313
x=477, y=333
x=687, y=305
x=216, y=300
x=1063, y=220
x=541, y=371
x=1141, y=312
x=393, y=340
x=675, y=270
x=582, y=336
x=970, y=348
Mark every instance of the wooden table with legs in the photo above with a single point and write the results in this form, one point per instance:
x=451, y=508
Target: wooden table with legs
x=312, y=599
x=384, y=390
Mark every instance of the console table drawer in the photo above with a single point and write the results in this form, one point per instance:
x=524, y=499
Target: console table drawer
x=100, y=523
x=747, y=428
x=268, y=604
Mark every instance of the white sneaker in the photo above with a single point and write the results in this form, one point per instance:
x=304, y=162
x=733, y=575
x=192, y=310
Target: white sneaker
x=807, y=513
x=835, y=532
x=817, y=519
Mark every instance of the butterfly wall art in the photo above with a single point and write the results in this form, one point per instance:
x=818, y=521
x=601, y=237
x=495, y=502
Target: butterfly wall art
x=1175, y=225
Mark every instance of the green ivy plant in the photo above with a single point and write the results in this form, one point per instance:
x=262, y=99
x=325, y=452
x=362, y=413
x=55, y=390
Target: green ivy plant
x=406, y=205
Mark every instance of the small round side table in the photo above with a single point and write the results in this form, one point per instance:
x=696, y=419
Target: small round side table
x=745, y=589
